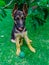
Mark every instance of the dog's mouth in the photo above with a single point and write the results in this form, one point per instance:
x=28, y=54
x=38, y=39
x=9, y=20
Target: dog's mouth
x=20, y=28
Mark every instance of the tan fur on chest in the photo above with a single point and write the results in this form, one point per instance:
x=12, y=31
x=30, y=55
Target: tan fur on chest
x=22, y=34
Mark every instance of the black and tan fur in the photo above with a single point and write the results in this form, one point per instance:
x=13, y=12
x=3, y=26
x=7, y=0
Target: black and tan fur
x=19, y=31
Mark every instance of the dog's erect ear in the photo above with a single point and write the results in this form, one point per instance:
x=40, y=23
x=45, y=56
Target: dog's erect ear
x=14, y=9
x=25, y=9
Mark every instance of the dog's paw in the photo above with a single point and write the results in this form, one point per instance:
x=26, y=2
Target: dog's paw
x=12, y=40
x=33, y=50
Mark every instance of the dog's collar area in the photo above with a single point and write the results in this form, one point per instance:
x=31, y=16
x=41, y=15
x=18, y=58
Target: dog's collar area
x=18, y=31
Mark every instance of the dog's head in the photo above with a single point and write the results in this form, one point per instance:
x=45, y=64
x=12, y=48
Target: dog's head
x=19, y=16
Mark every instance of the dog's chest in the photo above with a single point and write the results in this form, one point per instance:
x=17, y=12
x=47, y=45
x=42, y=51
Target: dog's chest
x=18, y=33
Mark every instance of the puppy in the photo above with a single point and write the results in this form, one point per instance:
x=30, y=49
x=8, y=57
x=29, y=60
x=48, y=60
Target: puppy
x=19, y=31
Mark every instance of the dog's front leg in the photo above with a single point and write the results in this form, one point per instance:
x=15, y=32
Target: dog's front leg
x=29, y=40
x=28, y=43
x=18, y=46
x=21, y=42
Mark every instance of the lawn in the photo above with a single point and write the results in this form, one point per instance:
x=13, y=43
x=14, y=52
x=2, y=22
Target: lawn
x=40, y=41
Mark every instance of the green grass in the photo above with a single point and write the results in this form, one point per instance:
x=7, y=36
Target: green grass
x=40, y=41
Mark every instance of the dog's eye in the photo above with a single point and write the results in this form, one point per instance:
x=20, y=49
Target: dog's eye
x=17, y=18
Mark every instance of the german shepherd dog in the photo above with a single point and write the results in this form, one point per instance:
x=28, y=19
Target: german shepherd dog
x=19, y=31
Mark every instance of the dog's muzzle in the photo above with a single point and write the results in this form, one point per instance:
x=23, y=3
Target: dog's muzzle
x=19, y=27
